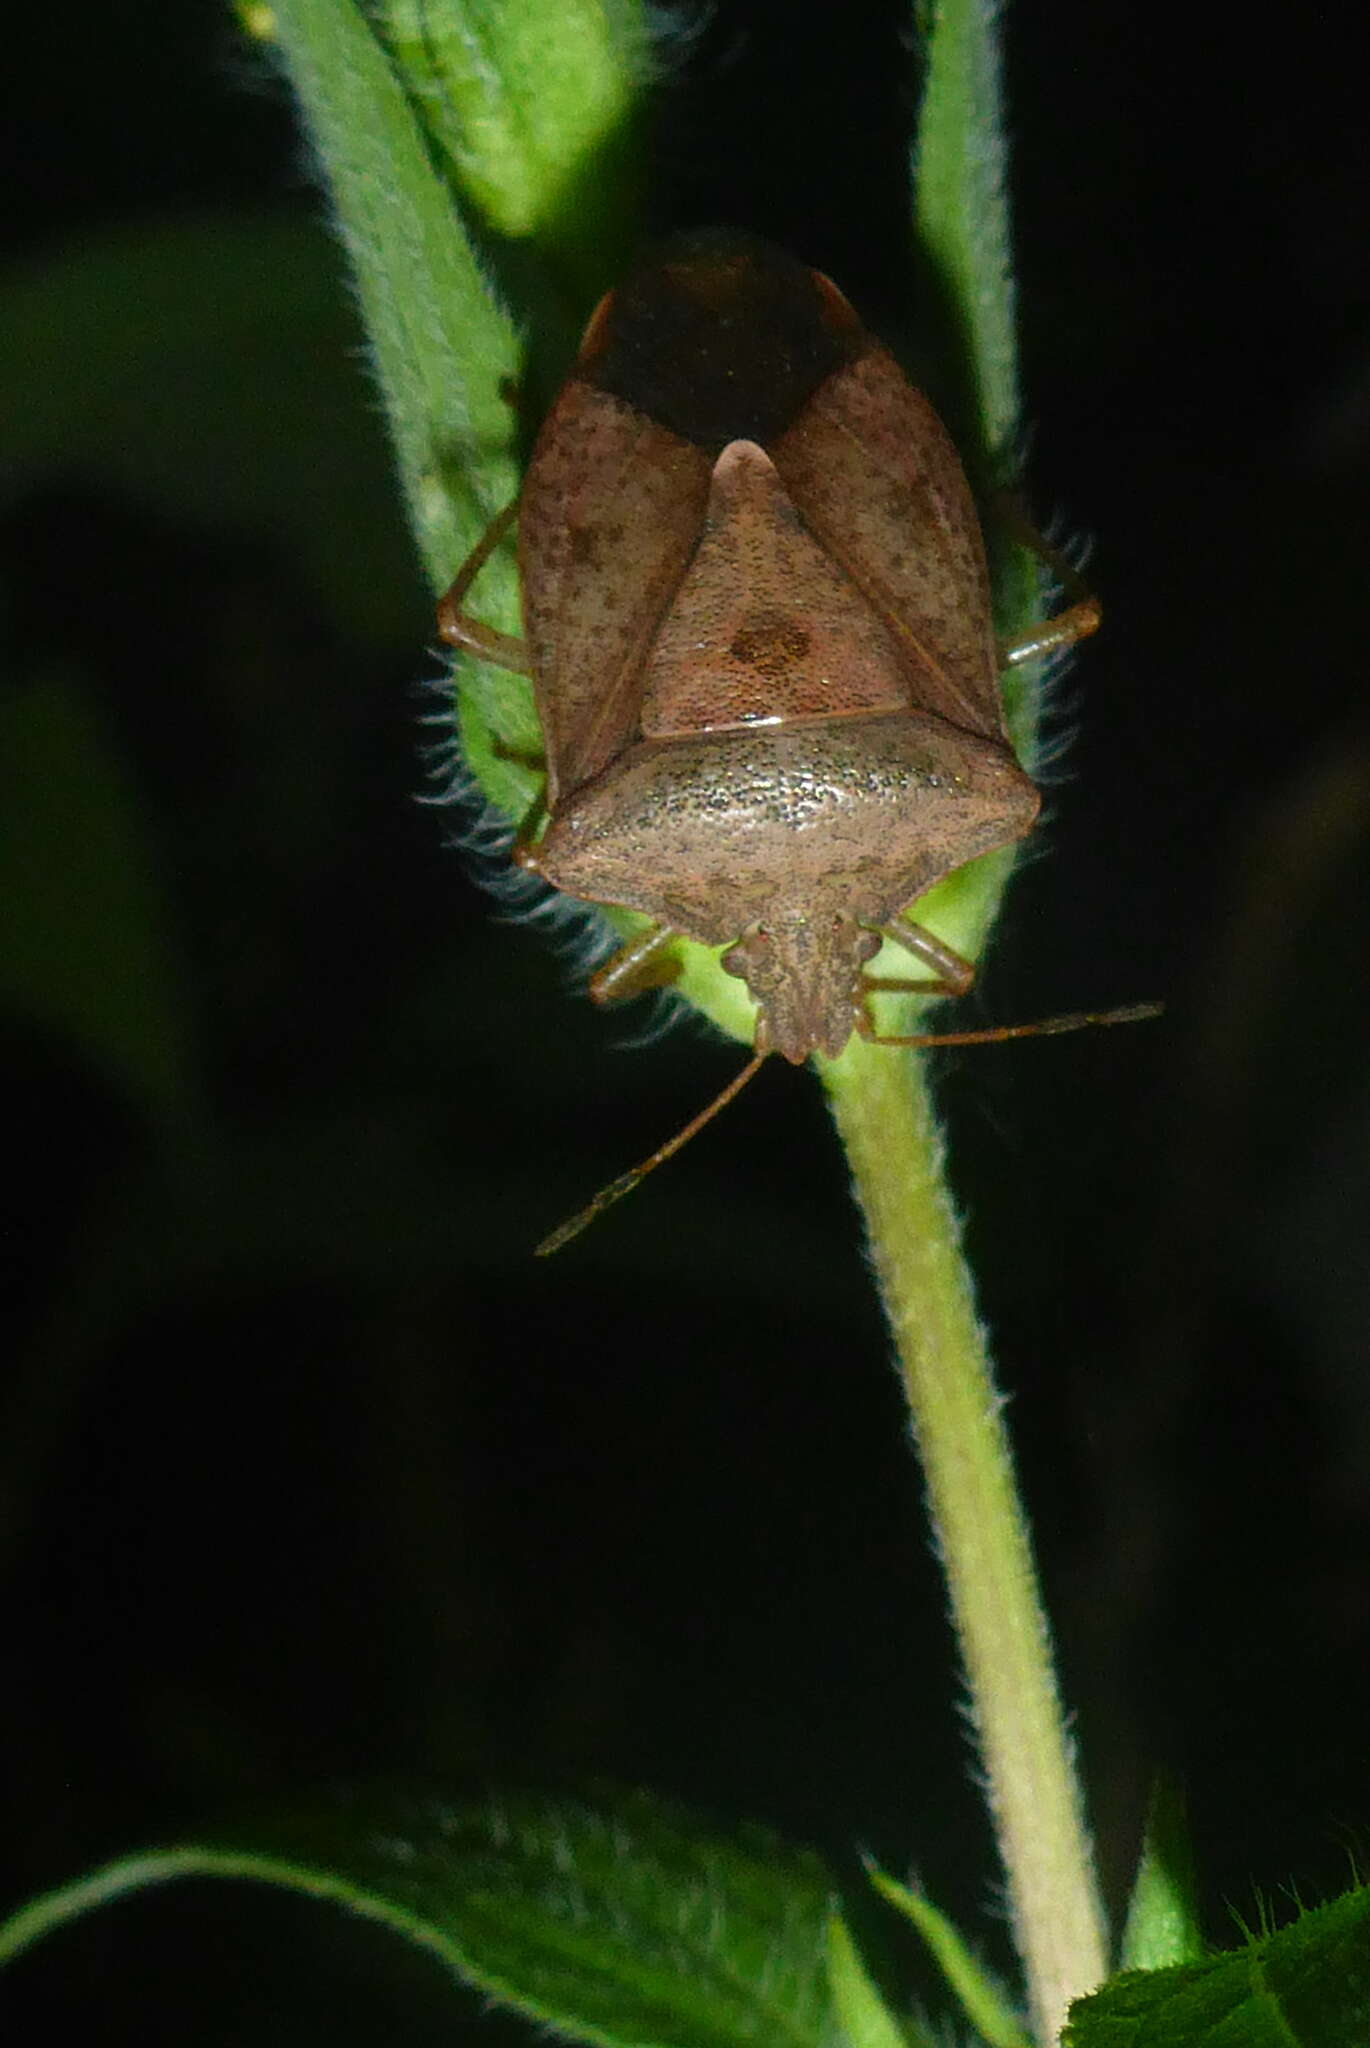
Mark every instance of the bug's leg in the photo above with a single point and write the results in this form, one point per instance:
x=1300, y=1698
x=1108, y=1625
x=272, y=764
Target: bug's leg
x=471, y=635
x=643, y=963
x=524, y=851
x=1077, y=622
x=950, y=976
x=1082, y=616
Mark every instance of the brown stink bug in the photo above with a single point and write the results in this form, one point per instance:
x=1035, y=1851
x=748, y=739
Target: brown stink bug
x=758, y=626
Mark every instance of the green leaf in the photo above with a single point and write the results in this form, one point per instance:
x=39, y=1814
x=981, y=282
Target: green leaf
x=961, y=213
x=1162, y=1916
x=85, y=933
x=1306, y=1987
x=862, y=2014
x=523, y=104
x=962, y=231
x=533, y=103
x=622, y=1926
x=441, y=344
x=975, y=1990
x=444, y=352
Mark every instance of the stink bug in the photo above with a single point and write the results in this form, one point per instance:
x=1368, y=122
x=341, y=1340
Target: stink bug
x=758, y=626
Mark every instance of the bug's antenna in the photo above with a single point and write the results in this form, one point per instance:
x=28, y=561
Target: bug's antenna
x=1078, y=1020
x=626, y=1182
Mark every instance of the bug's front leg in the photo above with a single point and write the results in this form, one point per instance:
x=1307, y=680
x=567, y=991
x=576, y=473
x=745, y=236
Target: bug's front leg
x=1082, y=616
x=473, y=636
x=951, y=976
x=643, y=963
x=1077, y=622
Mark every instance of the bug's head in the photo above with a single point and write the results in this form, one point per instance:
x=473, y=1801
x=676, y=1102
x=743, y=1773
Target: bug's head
x=804, y=967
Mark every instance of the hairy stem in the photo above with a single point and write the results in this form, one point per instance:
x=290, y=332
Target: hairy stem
x=883, y=1112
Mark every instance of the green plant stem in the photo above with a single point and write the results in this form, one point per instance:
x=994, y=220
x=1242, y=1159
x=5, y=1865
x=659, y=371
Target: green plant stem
x=881, y=1104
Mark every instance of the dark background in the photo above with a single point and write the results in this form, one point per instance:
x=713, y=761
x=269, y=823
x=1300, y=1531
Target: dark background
x=310, y=1474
